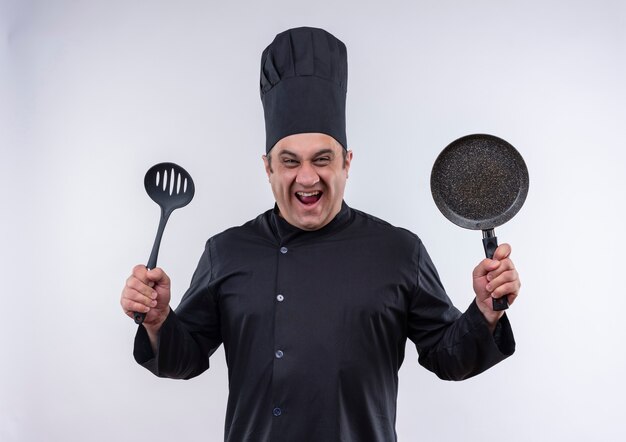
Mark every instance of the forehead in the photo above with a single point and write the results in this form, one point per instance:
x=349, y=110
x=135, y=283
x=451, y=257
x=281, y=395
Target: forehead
x=306, y=144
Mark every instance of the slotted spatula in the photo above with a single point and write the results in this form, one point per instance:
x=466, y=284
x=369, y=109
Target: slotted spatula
x=171, y=187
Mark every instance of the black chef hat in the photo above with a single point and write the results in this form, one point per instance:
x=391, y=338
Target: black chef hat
x=304, y=79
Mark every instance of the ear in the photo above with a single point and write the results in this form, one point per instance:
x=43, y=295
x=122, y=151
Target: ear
x=266, y=163
x=348, y=162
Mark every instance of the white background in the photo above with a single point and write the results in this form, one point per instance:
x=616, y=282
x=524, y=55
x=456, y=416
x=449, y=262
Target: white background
x=93, y=93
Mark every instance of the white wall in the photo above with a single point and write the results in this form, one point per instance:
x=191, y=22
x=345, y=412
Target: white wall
x=95, y=92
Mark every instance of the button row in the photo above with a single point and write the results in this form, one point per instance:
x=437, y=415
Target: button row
x=279, y=353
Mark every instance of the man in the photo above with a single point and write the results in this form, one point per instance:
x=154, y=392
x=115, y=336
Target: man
x=314, y=300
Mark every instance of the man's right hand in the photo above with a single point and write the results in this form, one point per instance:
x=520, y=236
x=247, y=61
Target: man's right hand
x=147, y=291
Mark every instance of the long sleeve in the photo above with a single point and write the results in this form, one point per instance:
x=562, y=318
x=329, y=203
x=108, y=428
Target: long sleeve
x=188, y=336
x=454, y=346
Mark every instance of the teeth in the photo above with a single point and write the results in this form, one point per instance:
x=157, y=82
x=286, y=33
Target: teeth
x=305, y=194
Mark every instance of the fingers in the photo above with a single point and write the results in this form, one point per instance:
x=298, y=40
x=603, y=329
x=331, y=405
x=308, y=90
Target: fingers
x=504, y=281
x=137, y=296
x=137, y=290
x=485, y=267
x=129, y=306
x=503, y=277
x=507, y=283
x=500, y=263
x=158, y=277
x=497, y=277
x=502, y=252
x=147, y=291
x=141, y=289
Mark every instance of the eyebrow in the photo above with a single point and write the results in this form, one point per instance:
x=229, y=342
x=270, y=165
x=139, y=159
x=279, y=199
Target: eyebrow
x=318, y=153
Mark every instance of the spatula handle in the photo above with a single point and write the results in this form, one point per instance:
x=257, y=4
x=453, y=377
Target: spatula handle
x=152, y=261
x=490, y=243
x=139, y=317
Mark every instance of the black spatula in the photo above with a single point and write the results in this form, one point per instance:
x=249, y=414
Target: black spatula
x=171, y=187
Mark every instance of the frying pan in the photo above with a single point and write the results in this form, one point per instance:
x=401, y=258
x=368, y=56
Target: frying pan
x=479, y=182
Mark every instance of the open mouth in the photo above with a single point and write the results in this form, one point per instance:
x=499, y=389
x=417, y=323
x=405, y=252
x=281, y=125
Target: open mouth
x=309, y=198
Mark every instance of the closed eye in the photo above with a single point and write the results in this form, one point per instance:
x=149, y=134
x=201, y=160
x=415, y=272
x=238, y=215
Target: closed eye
x=322, y=161
x=290, y=162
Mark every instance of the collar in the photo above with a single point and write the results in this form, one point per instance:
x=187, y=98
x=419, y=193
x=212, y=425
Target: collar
x=285, y=232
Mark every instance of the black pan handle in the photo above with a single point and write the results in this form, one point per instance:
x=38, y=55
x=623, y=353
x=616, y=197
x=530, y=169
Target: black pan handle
x=490, y=243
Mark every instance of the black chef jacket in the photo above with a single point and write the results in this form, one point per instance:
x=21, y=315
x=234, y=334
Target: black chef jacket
x=314, y=326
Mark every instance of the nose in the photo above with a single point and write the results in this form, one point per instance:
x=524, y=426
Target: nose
x=307, y=176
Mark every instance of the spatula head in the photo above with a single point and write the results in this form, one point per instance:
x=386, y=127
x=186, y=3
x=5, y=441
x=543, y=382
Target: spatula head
x=169, y=185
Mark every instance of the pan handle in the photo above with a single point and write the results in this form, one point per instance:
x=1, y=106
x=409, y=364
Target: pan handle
x=490, y=243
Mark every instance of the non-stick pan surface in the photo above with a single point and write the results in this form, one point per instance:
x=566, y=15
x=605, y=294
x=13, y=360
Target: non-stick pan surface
x=479, y=181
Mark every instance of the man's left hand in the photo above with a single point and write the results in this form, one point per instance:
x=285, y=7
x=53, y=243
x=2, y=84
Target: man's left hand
x=494, y=278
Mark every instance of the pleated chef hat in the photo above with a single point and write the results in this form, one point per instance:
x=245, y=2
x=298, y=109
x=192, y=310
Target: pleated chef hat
x=304, y=80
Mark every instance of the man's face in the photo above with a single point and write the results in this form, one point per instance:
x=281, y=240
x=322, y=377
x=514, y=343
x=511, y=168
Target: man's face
x=308, y=176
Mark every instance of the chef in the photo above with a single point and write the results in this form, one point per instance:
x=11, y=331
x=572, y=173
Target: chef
x=314, y=300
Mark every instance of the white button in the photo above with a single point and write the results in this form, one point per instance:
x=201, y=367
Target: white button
x=283, y=250
x=279, y=354
x=280, y=298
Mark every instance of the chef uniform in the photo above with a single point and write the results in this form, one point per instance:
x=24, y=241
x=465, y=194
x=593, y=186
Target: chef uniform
x=314, y=323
